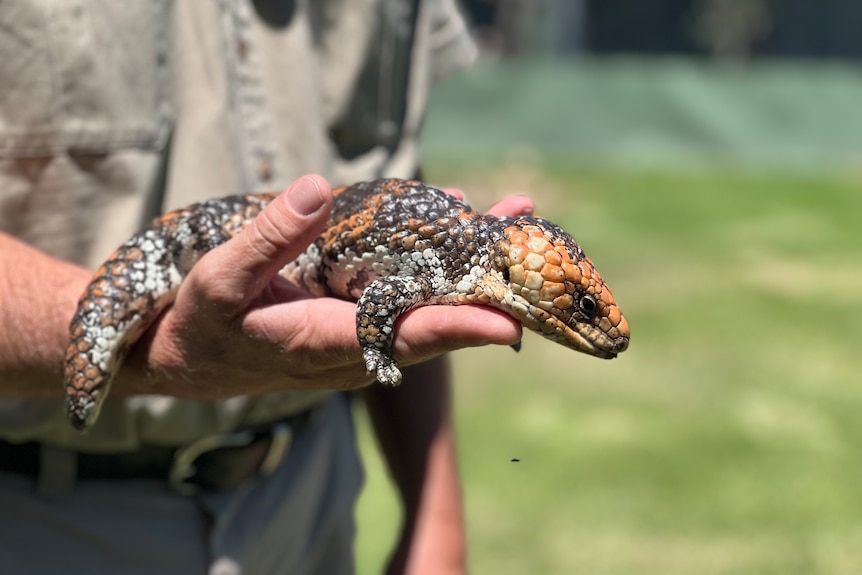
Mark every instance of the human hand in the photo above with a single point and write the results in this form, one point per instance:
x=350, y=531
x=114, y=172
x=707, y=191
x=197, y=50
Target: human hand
x=237, y=328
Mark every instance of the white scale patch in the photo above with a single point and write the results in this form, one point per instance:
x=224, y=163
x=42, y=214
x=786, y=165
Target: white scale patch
x=376, y=264
x=303, y=271
x=467, y=283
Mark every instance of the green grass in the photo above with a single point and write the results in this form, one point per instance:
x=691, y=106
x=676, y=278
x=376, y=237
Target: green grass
x=727, y=440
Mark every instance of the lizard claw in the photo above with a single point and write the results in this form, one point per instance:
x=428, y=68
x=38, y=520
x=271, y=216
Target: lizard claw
x=516, y=346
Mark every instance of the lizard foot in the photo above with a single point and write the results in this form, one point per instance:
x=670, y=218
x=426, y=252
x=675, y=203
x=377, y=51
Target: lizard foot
x=384, y=367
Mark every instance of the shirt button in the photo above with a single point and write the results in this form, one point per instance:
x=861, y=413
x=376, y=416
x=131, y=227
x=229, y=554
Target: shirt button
x=387, y=130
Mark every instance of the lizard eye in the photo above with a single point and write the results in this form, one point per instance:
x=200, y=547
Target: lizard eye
x=588, y=305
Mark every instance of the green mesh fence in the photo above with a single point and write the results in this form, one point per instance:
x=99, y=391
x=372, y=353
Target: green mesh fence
x=791, y=115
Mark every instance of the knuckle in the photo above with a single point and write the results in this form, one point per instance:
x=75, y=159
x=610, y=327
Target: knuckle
x=266, y=237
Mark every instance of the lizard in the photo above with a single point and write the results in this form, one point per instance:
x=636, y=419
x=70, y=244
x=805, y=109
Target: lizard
x=389, y=245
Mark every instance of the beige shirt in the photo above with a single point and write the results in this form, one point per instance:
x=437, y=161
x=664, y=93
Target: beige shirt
x=113, y=112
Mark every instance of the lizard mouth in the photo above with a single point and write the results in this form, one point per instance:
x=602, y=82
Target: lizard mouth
x=591, y=348
x=583, y=337
x=589, y=339
x=603, y=354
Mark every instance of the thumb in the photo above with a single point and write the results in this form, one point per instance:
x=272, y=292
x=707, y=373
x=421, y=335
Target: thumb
x=236, y=273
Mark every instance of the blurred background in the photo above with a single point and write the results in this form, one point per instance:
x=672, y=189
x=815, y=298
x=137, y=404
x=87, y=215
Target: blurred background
x=707, y=154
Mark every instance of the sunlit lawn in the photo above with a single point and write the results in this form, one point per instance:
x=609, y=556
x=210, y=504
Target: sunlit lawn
x=728, y=439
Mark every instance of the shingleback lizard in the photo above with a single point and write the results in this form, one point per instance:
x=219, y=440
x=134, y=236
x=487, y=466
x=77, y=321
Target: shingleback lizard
x=390, y=245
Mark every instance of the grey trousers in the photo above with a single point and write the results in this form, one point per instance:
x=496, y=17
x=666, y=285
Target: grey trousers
x=297, y=521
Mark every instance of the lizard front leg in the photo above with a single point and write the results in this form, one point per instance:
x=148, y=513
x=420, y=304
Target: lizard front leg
x=380, y=304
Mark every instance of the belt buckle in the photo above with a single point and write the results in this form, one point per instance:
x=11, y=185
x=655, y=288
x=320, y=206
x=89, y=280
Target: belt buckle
x=279, y=445
x=183, y=465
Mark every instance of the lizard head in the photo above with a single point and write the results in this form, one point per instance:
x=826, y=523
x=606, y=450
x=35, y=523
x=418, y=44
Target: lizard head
x=556, y=291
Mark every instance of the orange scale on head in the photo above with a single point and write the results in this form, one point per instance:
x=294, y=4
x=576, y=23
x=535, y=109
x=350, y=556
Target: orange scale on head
x=564, y=301
x=553, y=258
x=551, y=291
x=606, y=296
x=517, y=253
x=553, y=273
x=538, y=245
x=573, y=273
x=614, y=315
x=516, y=236
x=564, y=254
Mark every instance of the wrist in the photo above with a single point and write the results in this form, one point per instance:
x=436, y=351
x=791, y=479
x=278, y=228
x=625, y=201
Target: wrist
x=38, y=295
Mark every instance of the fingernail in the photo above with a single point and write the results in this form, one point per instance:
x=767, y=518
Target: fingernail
x=305, y=197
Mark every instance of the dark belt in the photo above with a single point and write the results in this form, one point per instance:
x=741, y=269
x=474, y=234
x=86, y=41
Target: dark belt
x=212, y=463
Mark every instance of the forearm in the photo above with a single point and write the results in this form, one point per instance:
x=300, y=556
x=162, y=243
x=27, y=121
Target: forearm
x=415, y=431
x=38, y=295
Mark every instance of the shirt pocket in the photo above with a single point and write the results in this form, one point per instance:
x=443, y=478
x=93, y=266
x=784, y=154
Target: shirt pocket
x=83, y=76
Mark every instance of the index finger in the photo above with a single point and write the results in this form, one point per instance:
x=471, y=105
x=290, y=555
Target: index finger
x=513, y=206
x=430, y=331
x=235, y=273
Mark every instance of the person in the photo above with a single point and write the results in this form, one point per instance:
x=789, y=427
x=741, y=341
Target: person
x=226, y=446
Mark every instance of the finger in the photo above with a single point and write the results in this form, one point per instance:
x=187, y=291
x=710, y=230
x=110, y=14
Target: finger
x=430, y=331
x=306, y=324
x=236, y=273
x=455, y=192
x=328, y=324
x=513, y=206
